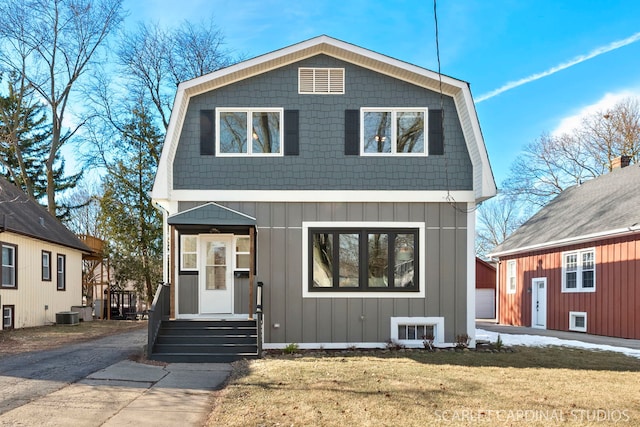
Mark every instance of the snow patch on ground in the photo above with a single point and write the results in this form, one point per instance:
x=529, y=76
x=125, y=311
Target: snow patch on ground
x=541, y=341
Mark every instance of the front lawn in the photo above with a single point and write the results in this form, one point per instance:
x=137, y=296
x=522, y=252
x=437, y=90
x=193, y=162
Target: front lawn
x=531, y=386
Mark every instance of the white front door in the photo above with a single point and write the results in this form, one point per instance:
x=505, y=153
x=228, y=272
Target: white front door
x=216, y=275
x=539, y=301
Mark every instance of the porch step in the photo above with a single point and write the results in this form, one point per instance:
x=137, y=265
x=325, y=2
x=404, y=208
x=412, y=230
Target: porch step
x=198, y=341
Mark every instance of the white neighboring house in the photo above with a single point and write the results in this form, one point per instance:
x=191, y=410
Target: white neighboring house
x=41, y=266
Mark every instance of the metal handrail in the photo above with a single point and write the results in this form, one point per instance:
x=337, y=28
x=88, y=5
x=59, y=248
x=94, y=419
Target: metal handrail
x=159, y=311
x=259, y=312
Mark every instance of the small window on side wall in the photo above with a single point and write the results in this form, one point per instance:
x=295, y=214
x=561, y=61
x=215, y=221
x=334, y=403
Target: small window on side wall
x=8, y=316
x=61, y=272
x=9, y=261
x=189, y=252
x=243, y=253
x=46, y=266
x=511, y=277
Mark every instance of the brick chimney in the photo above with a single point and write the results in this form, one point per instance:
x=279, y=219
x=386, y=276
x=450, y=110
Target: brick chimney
x=620, y=162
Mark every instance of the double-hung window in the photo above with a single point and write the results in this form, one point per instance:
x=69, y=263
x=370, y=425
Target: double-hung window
x=511, y=277
x=579, y=271
x=249, y=131
x=46, y=266
x=367, y=259
x=61, y=272
x=393, y=131
x=9, y=256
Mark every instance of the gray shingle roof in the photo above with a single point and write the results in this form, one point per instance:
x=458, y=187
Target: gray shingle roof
x=21, y=214
x=608, y=203
x=211, y=214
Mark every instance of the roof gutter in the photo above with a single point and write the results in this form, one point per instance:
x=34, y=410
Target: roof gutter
x=620, y=232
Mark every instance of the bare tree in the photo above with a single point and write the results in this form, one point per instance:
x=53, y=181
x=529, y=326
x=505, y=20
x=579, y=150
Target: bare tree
x=497, y=219
x=52, y=44
x=551, y=164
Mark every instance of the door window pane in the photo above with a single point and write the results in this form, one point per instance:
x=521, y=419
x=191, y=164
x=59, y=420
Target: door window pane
x=216, y=270
x=378, y=262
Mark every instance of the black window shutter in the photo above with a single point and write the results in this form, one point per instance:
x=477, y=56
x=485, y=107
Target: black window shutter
x=291, y=132
x=352, y=132
x=207, y=132
x=436, y=137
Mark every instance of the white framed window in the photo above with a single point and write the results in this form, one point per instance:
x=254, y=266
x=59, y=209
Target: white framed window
x=46, y=266
x=512, y=277
x=242, y=248
x=9, y=266
x=579, y=270
x=578, y=321
x=412, y=331
x=322, y=81
x=61, y=272
x=393, y=131
x=363, y=259
x=7, y=316
x=188, y=252
x=249, y=132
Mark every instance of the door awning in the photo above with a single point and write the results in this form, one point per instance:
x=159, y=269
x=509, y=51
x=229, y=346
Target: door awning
x=213, y=215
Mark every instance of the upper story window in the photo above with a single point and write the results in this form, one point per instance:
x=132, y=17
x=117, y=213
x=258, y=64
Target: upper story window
x=579, y=271
x=511, y=277
x=9, y=266
x=249, y=131
x=393, y=131
x=321, y=80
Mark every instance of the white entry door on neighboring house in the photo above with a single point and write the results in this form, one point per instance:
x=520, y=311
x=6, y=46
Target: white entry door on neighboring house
x=216, y=275
x=539, y=303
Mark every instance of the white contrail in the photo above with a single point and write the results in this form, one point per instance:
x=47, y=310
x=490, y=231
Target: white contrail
x=578, y=59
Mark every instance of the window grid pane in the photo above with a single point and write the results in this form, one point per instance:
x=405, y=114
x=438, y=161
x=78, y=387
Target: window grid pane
x=410, y=132
x=265, y=132
x=348, y=256
x=377, y=132
x=378, y=262
x=322, y=260
x=233, y=132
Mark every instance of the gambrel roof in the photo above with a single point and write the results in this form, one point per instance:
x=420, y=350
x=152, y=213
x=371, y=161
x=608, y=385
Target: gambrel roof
x=483, y=181
x=607, y=206
x=21, y=214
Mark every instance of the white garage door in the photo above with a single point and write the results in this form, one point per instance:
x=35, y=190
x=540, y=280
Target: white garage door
x=485, y=303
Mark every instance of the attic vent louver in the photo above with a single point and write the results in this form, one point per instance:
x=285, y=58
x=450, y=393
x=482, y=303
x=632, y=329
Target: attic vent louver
x=321, y=80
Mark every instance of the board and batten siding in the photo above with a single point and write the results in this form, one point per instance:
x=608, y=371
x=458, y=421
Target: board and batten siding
x=612, y=310
x=290, y=318
x=32, y=293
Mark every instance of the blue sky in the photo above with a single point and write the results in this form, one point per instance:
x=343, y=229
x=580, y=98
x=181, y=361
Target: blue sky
x=534, y=66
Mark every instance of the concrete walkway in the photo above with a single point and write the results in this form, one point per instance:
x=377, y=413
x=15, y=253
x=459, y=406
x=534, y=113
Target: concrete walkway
x=128, y=393
x=576, y=336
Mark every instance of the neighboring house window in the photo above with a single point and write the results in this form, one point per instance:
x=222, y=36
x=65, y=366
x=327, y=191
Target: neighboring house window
x=511, y=277
x=374, y=260
x=46, y=266
x=9, y=256
x=8, y=316
x=393, y=131
x=61, y=272
x=243, y=253
x=579, y=271
x=249, y=132
x=189, y=253
x=321, y=81
x=578, y=321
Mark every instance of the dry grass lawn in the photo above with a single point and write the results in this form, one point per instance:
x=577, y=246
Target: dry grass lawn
x=48, y=337
x=532, y=386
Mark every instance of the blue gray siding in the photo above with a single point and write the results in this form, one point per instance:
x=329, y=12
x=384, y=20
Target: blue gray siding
x=321, y=163
x=352, y=320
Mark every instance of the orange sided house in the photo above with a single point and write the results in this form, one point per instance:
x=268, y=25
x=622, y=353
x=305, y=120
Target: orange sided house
x=575, y=265
x=327, y=188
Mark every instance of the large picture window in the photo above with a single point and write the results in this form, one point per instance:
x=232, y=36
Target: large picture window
x=9, y=266
x=393, y=131
x=249, y=132
x=375, y=260
x=579, y=271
